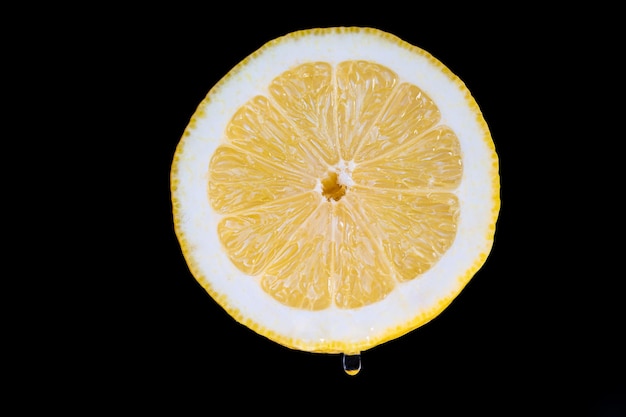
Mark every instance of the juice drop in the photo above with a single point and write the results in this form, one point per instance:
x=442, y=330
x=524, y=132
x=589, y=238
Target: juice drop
x=351, y=363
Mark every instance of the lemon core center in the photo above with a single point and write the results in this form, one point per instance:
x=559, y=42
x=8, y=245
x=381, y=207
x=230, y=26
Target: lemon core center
x=332, y=188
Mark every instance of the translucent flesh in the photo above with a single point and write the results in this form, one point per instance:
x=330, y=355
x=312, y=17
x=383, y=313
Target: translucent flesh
x=337, y=186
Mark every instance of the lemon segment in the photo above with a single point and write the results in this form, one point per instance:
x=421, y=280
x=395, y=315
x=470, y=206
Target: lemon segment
x=363, y=90
x=305, y=96
x=414, y=229
x=440, y=165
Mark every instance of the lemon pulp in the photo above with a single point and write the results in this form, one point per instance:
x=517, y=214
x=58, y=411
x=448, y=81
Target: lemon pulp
x=336, y=186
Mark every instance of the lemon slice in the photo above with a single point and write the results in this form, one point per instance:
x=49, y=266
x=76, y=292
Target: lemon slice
x=337, y=189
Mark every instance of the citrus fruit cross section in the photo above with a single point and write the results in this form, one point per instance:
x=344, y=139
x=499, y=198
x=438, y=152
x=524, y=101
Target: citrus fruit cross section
x=336, y=189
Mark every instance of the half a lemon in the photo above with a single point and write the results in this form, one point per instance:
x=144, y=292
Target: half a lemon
x=337, y=189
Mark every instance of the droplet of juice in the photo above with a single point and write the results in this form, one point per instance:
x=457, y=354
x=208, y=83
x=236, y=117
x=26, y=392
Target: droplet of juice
x=351, y=363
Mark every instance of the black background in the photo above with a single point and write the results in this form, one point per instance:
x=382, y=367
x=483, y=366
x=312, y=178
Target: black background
x=538, y=329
